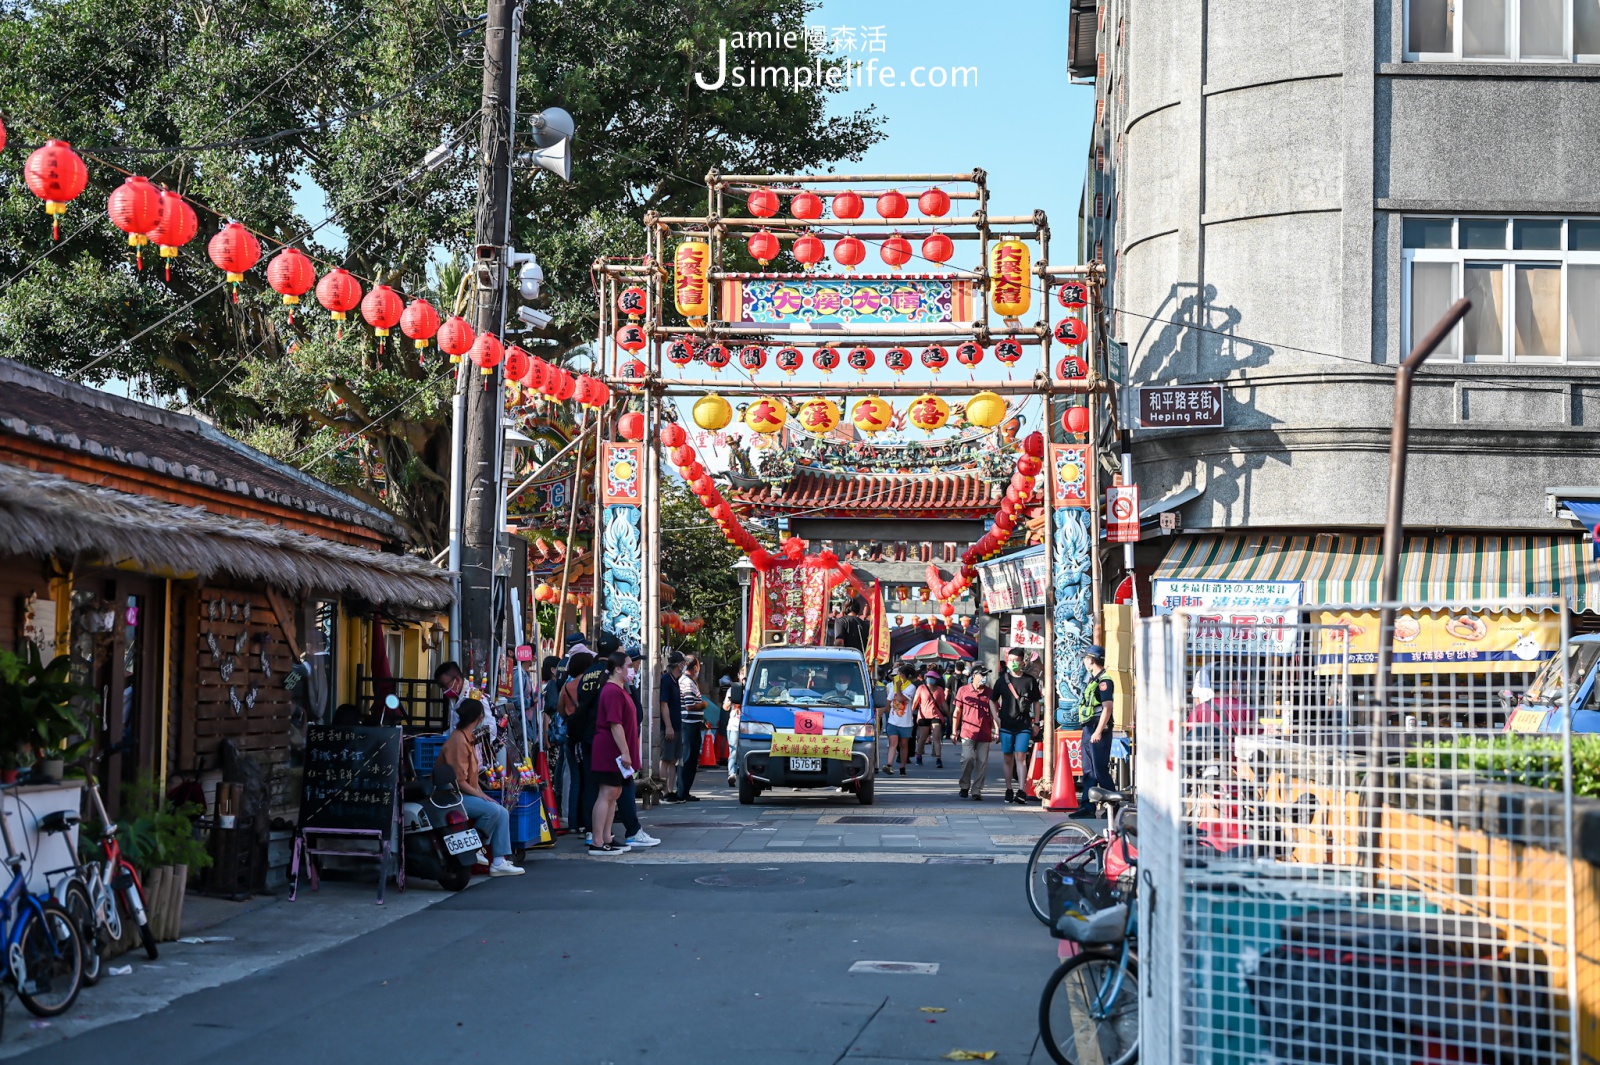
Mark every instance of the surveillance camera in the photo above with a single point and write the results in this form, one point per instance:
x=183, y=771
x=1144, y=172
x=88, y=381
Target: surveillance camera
x=537, y=319
x=529, y=278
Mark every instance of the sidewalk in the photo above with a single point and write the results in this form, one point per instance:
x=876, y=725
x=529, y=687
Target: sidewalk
x=237, y=939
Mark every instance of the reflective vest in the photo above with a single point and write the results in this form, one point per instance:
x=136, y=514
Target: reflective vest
x=1089, y=704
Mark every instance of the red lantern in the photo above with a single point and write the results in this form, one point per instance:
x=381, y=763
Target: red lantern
x=789, y=359
x=518, y=363
x=1073, y=295
x=633, y=302
x=1028, y=467
x=486, y=353
x=1008, y=351
x=935, y=357
x=234, y=250
x=631, y=426
x=57, y=176
x=969, y=353
x=291, y=275
x=937, y=248
x=806, y=206
x=1072, y=368
x=808, y=250
x=763, y=203
x=564, y=387
x=703, y=485
x=382, y=309
x=847, y=205
x=694, y=471
x=176, y=225
x=891, y=204
x=591, y=393
x=825, y=359
x=752, y=357
x=1076, y=420
x=1072, y=331
x=456, y=337
x=633, y=370
x=682, y=455
x=538, y=374
x=897, y=359
x=631, y=338
x=860, y=359
x=680, y=352
x=1033, y=445
x=2, y=136
x=717, y=356
x=135, y=207
x=948, y=611
x=764, y=247
x=934, y=203
x=672, y=435
x=339, y=292
x=849, y=251
x=896, y=251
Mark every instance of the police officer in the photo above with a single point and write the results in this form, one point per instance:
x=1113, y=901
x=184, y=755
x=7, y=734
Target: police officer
x=1094, y=714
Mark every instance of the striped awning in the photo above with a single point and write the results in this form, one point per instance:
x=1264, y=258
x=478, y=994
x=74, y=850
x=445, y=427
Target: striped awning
x=1346, y=568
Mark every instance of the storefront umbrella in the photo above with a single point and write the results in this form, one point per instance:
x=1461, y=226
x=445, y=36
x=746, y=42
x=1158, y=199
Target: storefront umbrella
x=933, y=650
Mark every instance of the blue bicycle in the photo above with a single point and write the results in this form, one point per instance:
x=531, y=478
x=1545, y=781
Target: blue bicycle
x=43, y=959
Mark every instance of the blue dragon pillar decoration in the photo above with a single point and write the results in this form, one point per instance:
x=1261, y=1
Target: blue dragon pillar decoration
x=622, y=546
x=1071, y=574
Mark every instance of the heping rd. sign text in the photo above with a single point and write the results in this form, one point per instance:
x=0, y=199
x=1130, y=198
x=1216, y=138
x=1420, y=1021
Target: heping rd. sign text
x=1180, y=407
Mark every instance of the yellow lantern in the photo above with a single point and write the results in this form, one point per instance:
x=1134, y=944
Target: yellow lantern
x=765, y=416
x=928, y=412
x=712, y=412
x=691, y=285
x=872, y=415
x=1009, y=279
x=818, y=416
x=986, y=410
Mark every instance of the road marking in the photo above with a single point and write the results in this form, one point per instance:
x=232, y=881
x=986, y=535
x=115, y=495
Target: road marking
x=897, y=968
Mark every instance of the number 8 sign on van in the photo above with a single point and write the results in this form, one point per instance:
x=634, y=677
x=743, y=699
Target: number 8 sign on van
x=807, y=723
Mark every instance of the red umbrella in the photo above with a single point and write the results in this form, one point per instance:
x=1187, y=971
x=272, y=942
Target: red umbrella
x=933, y=650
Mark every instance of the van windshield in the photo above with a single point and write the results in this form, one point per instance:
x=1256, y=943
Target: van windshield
x=1546, y=687
x=801, y=681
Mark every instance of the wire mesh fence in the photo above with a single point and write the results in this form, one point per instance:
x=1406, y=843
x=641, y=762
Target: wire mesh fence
x=1361, y=878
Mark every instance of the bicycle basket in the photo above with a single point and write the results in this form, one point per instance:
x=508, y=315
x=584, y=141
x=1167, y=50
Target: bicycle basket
x=1083, y=892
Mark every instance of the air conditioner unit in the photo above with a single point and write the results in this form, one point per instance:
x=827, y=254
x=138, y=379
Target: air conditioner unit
x=776, y=639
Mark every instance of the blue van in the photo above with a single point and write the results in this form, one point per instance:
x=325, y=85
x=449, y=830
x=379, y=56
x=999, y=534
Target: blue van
x=827, y=692
x=1539, y=709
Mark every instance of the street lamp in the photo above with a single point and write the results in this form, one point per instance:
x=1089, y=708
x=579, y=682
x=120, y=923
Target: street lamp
x=743, y=569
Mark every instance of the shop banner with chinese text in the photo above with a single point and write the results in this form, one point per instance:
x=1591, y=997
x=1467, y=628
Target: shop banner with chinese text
x=1439, y=641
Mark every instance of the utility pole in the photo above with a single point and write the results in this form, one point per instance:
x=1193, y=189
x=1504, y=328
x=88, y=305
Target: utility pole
x=480, y=480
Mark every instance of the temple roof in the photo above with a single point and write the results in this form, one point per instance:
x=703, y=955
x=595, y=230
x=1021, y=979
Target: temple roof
x=861, y=495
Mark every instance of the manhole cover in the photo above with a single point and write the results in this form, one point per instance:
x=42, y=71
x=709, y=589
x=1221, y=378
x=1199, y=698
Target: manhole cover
x=749, y=880
x=903, y=968
x=937, y=860
x=871, y=819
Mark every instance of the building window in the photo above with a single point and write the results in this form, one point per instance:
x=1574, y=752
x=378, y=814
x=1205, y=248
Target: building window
x=1534, y=284
x=1505, y=31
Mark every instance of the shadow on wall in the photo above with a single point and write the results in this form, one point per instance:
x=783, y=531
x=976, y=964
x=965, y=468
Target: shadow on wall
x=1190, y=339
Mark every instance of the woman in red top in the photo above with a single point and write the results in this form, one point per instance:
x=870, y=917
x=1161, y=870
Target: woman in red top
x=927, y=707
x=616, y=752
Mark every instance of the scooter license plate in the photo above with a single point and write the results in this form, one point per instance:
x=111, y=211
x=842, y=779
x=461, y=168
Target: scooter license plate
x=805, y=765
x=463, y=842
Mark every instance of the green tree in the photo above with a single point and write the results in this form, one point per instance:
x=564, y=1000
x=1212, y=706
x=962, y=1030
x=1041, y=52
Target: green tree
x=238, y=103
x=698, y=563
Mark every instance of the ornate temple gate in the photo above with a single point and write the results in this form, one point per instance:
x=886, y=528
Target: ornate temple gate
x=685, y=259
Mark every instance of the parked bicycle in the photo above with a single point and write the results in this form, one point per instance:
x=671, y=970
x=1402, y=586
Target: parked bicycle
x=43, y=958
x=110, y=885
x=1089, y=1012
x=1073, y=851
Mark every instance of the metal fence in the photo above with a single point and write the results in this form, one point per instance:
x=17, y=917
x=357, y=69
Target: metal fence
x=1324, y=879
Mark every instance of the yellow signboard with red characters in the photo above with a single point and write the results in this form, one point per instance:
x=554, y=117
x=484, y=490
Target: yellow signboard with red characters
x=797, y=745
x=1439, y=641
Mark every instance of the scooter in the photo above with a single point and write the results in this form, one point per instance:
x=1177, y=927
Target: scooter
x=440, y=841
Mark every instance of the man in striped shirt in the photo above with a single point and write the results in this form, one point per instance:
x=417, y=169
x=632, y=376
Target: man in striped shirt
x=694, y=725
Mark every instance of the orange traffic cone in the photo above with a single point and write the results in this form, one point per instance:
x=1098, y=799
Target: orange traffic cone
x=551, y=805
x=708, y=750
x=1035, y=774
x=1064, y=793
x=722, y=746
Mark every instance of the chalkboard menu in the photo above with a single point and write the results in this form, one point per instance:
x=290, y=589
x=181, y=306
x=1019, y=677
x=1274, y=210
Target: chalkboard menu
x=351, y=773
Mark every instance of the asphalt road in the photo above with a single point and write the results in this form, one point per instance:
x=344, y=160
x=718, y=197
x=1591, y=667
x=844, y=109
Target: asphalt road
x=725, y=945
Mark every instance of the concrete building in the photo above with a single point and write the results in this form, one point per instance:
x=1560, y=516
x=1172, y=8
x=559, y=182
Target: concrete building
x=1287, y=194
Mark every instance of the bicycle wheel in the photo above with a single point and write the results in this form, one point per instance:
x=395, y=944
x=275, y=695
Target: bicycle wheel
x=52, y=953
x=1088, y=1017
x=131, y=896
x=75, y=897
x=1066, y=845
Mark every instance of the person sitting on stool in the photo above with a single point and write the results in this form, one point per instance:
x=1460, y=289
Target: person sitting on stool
x=1094, y=714
x=460, y=752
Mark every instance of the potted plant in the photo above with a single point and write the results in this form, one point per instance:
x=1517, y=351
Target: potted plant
x=161, y=842
x=37, y=715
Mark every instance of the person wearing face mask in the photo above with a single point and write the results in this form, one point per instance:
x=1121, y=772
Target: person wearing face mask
x=844, y=690
x=1017, y=697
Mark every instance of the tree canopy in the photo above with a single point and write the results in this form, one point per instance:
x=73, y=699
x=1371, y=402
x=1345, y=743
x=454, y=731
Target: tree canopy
x=251, y=108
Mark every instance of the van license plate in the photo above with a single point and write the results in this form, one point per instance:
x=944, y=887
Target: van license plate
x=463, y=842
x=805, y=765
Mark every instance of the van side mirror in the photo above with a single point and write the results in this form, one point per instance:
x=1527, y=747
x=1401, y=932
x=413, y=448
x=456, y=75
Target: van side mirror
x=880, y=697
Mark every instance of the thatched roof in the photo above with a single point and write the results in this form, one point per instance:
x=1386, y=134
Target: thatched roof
x=42, y=514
